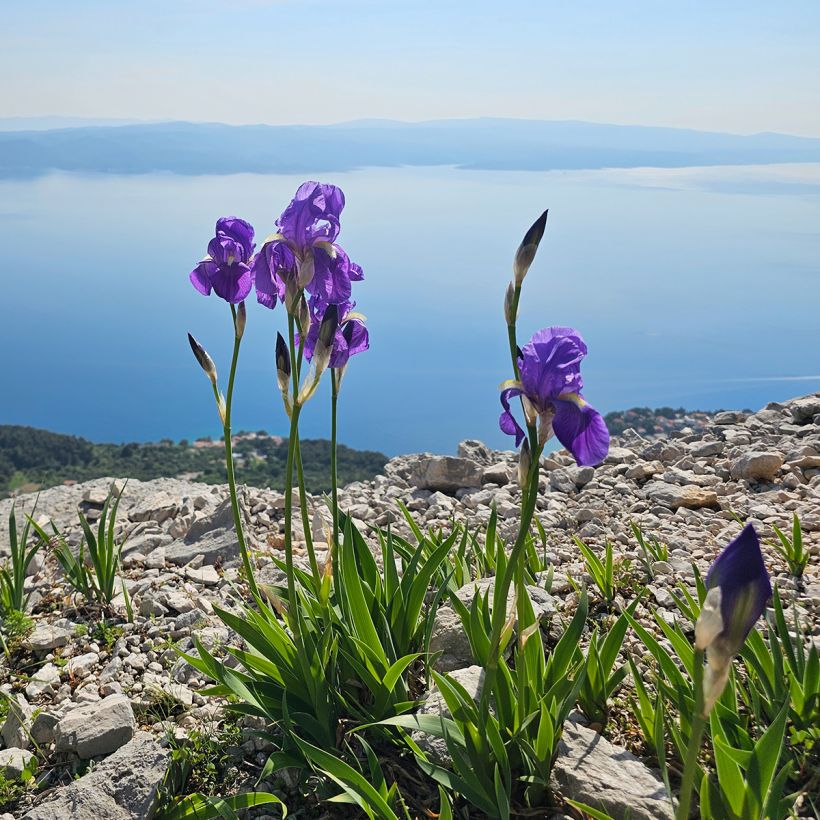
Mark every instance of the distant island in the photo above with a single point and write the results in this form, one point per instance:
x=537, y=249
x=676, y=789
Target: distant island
x=485, y=143
x=32, y=459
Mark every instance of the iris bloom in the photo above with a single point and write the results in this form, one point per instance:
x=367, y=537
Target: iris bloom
x=351, y=335
x=550, y=387
x=226, y=269
x=738, y=589
x=304, y=253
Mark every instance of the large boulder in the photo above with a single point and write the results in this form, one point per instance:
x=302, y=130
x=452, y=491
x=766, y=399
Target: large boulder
x=213, y=536
x=674, y=495
x=445, y=473
x=122, y=787
x=757, y=466
x=97, y=728
x=591, y=770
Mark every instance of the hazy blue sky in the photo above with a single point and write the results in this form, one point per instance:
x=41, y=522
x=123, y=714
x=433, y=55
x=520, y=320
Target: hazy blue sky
x=735, y=65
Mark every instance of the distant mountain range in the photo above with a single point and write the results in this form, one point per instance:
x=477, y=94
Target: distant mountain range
x=492, y=144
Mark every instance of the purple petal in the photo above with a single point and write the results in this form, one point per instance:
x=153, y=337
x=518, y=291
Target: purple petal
x=356, y=335
x=201, y=276
x=271, y=267
x=550, y=364
x=740, y=573
x=507, y=420
x=312, y=215
x=331, y=278
x=232, y=282
x=582, y=430
x=356, y=273
x=240, y=232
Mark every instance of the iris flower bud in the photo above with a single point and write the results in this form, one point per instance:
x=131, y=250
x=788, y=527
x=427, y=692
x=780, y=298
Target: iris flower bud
x=327, y=333
x=738, y=588
x=282, y=363
x=321, y=353
x=241, y=320
x=205, y=361
x=529, y=245
x=509, y=298
x=303, y=316
x=524, y=464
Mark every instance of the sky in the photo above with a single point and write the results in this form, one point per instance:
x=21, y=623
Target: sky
x=742, y=66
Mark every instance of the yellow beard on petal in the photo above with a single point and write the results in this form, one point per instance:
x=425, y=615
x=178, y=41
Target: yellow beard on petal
x=574, y=398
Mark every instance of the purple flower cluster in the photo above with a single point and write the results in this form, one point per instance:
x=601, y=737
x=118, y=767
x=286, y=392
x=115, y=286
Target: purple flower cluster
x=227, y=268
x=302, y=255
x=550, y=386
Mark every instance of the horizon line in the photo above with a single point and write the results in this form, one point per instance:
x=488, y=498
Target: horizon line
x=124, y=122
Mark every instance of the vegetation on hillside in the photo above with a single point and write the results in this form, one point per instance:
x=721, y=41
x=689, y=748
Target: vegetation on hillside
x=32, y=459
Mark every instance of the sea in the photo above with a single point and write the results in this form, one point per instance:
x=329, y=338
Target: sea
x=693, y=287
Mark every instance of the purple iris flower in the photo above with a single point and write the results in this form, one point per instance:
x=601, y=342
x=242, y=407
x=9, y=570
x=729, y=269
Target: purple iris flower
x=744, y=585
x=304, y=252
x=226, y=270
x=351, y=335
x=550, y=385
x=738, y=589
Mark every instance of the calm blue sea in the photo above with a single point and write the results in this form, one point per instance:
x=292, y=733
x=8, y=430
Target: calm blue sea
x=693, y=287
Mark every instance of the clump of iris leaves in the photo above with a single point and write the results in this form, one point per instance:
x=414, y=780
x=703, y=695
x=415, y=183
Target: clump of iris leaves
x=335, y=661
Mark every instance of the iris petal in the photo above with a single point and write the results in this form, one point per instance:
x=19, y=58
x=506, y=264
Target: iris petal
x=507, y=420
x=582, y=430
x=201, y=276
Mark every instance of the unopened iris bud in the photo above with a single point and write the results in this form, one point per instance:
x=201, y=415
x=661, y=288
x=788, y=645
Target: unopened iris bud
x=241, y=320
x=327, y=335
x=321, y=353
x=509, y=310
x=303, y=316
x=524, y=464
x=293, y=297
x=205, y=361
x=738, y=588
x=282, y=363
x=529, y=245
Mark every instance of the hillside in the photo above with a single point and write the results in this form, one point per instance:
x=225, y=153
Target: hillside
x=484, y=143
x=32, y=459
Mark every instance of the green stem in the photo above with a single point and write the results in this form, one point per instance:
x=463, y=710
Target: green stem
x=514, y=570
x=303, y=506
x=237, y=517
x=334, y=482
x=690, y=765
x=292, y=443
x=300, y=473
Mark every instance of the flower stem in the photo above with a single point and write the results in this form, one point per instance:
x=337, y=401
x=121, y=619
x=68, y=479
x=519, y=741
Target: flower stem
x=334, y=483
x=300, y=477
x=237, y=517
x=698, y=724
x=515, y=569
x=300, y=474
x=292, y=446
x=502, y=589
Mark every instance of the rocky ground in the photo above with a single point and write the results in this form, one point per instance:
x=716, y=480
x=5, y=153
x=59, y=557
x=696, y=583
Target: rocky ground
x=121, y=696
